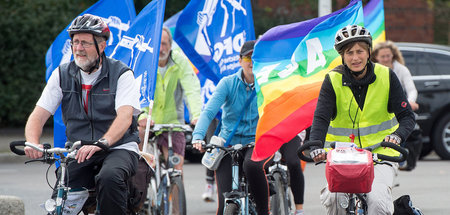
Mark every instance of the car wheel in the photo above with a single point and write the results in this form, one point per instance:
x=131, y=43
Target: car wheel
x=441, y=137
x=426, y=149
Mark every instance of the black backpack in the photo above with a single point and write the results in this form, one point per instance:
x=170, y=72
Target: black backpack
x=139, y=185
x=403, y=206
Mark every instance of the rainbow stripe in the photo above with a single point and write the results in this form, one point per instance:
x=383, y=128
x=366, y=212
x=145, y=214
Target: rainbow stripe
x=290, y=62
x=374, y=20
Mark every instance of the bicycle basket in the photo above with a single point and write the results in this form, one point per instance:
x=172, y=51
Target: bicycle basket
x=349, y=170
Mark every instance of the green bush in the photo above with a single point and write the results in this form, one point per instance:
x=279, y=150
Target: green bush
x=27, y=29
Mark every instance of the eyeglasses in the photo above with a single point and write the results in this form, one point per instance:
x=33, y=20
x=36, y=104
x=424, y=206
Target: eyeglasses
x=247, y=59
x=85, y=44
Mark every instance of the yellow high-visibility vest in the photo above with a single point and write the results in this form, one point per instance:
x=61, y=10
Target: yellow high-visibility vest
x=370, y=125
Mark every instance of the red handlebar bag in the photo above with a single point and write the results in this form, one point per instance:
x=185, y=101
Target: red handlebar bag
x=349, y=170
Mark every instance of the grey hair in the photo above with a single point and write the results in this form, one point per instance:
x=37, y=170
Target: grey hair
x=167, y=30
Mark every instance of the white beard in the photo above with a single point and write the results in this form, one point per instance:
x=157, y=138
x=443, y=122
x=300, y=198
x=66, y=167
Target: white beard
x=85, y=64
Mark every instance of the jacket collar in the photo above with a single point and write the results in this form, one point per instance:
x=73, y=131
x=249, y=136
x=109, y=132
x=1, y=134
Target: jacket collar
x=348, y=80
x=240, y=75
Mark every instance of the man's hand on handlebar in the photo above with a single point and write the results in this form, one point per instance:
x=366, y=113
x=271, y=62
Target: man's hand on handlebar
x=33, y=153
x=86, y=152
x=194, y=122
x=143, y=123
x=198, y=145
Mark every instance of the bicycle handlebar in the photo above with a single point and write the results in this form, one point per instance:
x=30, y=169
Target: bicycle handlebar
x=403, y=152
x=305, y=146
x=402, y=157
x=56, y=150
x=236, y=147
x=168, y=127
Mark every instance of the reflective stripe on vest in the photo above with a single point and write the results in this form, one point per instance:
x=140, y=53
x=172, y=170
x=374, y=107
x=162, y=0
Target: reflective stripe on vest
x=369, y=125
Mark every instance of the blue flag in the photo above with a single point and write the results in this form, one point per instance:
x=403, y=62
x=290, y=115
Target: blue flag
x=118, y=15
x=139, y=48
x=211, y=33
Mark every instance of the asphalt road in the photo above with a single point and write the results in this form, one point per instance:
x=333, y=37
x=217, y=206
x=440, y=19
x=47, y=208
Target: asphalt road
x=428, y=184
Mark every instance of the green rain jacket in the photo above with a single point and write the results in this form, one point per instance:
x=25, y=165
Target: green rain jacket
x=178, y=83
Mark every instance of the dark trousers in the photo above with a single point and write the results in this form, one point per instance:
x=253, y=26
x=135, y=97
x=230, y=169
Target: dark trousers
x=289, y=152
x=107, y=172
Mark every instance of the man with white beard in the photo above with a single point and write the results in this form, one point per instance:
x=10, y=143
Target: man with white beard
x=175, y=81
x=99, y=102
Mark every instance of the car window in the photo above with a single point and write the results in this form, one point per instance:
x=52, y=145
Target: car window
x=410, y=61
x=424, y=64
x=441, y=62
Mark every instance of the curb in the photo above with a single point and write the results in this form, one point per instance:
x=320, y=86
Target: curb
x=11, y=205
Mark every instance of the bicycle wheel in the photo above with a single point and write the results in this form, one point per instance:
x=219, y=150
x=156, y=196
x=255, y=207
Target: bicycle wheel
x=151, y=198
x=176, y=199
x=231, y=209
x=279, y=202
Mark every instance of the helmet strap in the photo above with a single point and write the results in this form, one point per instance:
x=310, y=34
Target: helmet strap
x=97, y=62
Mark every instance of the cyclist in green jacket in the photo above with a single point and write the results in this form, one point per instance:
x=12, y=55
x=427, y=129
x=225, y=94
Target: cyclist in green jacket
x=176, y=80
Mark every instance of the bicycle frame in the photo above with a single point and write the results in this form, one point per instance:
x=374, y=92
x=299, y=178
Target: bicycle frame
x=61, y=187
x=165, y=175
x=55, y=206
x=278, y=167
x=239, y=194
x=242, y=199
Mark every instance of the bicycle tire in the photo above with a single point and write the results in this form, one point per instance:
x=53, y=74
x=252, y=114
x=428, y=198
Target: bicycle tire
x=177, y=197
x=151, y=204
x=231, y=209
x=279, y=202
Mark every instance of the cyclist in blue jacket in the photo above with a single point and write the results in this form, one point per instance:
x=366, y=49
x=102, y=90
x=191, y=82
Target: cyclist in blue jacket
x=231, y=94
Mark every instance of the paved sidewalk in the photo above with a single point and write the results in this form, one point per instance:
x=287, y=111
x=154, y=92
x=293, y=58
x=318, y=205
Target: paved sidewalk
x=8, y=135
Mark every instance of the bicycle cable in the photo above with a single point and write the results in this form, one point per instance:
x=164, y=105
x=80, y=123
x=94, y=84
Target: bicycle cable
x=46, y=176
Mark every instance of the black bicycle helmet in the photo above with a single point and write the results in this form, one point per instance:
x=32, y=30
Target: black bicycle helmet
x=89, y=23
x=351, y=33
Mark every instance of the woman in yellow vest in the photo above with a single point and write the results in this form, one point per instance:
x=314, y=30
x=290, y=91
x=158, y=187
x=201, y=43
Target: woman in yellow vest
x=369, y=107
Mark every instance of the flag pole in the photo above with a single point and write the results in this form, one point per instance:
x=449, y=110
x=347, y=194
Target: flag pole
x=147, y=127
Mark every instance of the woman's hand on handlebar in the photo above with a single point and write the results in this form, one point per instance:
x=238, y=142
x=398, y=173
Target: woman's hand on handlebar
x=33, y=153
x=393, y=138
x=318, y=155
x=198, y=144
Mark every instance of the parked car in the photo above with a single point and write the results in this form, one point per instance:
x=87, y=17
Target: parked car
x=430, y=68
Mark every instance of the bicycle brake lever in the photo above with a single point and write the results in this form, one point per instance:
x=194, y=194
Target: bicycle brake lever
x=35, y=160
x=320, y=162
x=382, y=162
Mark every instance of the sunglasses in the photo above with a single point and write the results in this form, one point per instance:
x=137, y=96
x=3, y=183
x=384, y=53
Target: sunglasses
x=247, y=58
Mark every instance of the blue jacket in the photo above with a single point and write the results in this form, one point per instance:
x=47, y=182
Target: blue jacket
x=231, y=94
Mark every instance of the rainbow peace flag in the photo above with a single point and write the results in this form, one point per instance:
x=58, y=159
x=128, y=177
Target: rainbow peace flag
x=374, y=20
x=290, y=63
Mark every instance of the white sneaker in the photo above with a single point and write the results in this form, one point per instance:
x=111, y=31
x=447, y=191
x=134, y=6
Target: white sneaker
x=299, y=212
x=209, y=193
